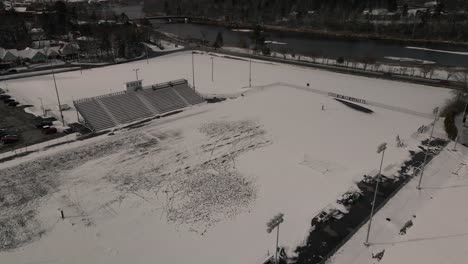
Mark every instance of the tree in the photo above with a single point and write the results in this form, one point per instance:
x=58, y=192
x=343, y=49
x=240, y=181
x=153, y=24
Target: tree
x=392, y=5
x=219, y=42
x=404, y=10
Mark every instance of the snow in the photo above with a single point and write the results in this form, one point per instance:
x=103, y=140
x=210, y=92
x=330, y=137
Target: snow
x=168, y=46
x=402, y=59
x=242, y=30
x=231, y=76
x=275, y=42
x=438, y=233
x=442, y=51
x=200, y=186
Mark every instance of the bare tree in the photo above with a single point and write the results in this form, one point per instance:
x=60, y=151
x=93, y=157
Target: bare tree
x=427, y=71
x=368, y=60
x=451, y=72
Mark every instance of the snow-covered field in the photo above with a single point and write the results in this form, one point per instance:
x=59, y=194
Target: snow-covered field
x=199, y=187
x=231, y=76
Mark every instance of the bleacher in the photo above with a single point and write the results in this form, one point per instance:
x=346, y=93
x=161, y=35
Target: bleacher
x=106, y=111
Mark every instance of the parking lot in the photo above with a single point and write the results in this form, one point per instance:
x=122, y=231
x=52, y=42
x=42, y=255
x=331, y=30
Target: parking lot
x=15, y=120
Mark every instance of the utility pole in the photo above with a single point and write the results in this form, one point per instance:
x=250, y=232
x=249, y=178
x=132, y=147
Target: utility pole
x=146, y=47
x=435, y=112
x=136, y=72
x=463, y=128
x=250, y=73
x=58, y=98
x=193, y=71
x=380, y=149
x=42, y=106
x=272, y=224
x=212, y=69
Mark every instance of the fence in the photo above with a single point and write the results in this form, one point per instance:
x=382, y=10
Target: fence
x=37, y=147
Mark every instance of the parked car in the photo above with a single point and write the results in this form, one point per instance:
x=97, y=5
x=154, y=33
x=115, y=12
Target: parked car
x=48, y=130
x=9, y=139
x=13, y=104
x=2, y=91
x=7, y=101
x=4, y=96
x=4, y=132
x=349, y=198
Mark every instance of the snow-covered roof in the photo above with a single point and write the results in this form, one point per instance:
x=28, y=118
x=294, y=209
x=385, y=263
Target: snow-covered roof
x=85, y=38
x=36, y=30
x=375, y=12
x=53, y=51
x=20, y=9
x=430, y=4
x=29, y=53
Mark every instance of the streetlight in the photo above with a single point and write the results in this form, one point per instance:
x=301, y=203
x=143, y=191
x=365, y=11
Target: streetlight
x=193, y=70
x=146, y=47
x=42, y=106
x=250, y=73
x=435, y=112
x=380, y=149
x=272, y=224
x=58, y=98
x=136, y=72
x=212, y=69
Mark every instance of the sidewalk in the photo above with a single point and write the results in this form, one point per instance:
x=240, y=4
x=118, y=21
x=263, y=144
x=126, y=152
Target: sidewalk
x=437, y=232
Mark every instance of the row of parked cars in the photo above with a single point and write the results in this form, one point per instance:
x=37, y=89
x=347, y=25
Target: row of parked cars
x=7, y=99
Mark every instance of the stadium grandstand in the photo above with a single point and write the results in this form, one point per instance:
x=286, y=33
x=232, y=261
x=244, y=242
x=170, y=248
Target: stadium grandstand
x=137, y=102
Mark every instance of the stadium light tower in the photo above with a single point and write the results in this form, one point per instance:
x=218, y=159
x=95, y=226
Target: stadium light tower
x=436, y=113
x=136, y=72
x=146, y=47
x=42, y=106
x=212, y=69
x=193, y=70
x=272, y=224
x=250, y=73
x=380, y=149
x=58, y=98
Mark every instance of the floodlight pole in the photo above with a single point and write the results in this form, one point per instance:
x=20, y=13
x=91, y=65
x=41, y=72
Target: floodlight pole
x=42, y=106
x=193, y=71
x=276, y=249
x=272, y=224
x=250, y=73
x=382, y=149
x=212, y=69
x=136, y=72
x=427, y=148
x=58, y=98
x=146, y=47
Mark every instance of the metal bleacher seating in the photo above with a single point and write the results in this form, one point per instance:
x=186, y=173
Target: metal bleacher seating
x=107, y=111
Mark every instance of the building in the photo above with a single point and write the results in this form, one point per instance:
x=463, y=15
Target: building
x=9, y=55
x=33, y=55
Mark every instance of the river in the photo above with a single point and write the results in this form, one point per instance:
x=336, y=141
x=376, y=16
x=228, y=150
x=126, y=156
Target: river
x=309, y=46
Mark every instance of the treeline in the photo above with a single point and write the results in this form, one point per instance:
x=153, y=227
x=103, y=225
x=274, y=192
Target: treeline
x=107, y=32
x=441, y=23
x=271, y=10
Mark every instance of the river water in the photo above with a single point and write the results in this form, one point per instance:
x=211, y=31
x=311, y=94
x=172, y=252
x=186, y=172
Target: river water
x=309, y=46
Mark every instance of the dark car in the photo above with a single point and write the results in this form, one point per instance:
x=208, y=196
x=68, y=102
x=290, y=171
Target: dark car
x=9, y=139
x=7, y=101
x=4, y=132
x=13, y=104
x=48, y=130
x=4, y=96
